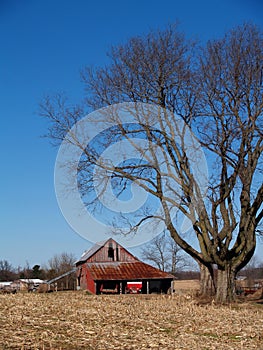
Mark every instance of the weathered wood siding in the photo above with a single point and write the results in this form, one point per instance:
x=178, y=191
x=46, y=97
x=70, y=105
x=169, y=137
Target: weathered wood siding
x=111, y=252
x=85, y=280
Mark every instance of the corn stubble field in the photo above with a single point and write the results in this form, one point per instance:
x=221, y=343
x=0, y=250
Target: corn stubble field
x=75, y=320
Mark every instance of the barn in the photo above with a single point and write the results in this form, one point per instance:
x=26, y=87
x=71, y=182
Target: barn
x=110, y=268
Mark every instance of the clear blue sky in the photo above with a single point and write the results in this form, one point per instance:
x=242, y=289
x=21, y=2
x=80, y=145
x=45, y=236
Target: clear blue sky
x=44, y=44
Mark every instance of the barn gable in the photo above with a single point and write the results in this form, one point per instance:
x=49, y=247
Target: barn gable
x=106, y=251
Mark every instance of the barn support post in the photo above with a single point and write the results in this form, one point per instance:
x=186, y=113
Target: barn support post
x=77, y=283
x=147, y=287
x=120, y=287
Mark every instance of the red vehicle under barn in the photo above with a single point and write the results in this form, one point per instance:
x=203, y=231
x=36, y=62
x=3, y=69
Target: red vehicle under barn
x=134, y=287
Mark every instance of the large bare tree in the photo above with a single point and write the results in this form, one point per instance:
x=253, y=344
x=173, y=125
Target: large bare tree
x=231, y=108
x=218, y=95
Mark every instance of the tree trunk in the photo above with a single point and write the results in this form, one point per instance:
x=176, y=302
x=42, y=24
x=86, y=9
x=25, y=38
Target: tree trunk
x=225, y=286
x=207, y=286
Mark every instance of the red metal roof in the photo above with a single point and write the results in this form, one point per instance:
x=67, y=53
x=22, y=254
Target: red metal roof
x=125, y=271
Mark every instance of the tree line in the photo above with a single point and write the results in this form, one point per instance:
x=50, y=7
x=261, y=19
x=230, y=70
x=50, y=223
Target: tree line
x=56, y=266
x=162, y=252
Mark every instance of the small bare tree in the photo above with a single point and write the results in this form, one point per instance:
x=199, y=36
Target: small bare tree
x=7, y=272
x=164, y=253
x=60, y=264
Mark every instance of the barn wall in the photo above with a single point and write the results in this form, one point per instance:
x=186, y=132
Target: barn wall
x=86, y=281
x=91, y=286
x=81, y=277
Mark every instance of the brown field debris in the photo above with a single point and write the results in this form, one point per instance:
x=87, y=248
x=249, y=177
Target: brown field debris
x=75, y=320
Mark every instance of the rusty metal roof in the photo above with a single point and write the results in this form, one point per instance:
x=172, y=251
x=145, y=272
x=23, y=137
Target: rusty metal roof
x=125, y=271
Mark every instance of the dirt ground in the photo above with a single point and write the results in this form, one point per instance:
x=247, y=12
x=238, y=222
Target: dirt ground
x=75, y=320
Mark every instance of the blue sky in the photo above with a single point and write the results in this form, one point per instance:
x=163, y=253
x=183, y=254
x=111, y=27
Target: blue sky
x=44, y=44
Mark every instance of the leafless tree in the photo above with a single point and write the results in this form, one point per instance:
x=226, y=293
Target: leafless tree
x=220, y=96
x=231, y=106
x=164, y=253
x=7, y=272
x=60, y=264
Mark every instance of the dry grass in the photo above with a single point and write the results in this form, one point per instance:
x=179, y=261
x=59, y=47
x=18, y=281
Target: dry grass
x=186, y=285
x=75, y=320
